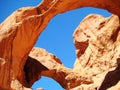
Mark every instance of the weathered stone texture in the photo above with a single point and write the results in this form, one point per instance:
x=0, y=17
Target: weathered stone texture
x=19, y=33
x=97, y=41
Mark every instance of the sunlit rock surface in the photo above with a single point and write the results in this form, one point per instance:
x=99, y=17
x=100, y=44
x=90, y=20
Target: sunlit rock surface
x=97, y=42
x=20, y=31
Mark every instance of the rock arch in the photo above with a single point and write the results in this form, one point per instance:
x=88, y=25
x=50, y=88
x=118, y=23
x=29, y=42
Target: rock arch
x=33, y=20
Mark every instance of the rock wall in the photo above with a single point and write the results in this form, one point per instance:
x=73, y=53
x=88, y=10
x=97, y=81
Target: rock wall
x=19, y=32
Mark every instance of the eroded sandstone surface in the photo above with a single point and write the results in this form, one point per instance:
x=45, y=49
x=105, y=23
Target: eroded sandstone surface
x=100, y=52
x=97, y=42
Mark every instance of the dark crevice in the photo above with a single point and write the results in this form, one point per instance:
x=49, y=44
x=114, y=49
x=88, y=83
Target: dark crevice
x=115, y=34
x=38, y=11
x=111, y=78
x=102, y=24
x=33, y=70
x=82, y=46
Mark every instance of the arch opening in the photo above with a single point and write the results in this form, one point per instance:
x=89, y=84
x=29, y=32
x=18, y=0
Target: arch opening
x=57, y=37
x=46, y=83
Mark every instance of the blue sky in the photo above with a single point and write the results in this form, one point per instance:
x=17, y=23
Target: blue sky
x=57, y=37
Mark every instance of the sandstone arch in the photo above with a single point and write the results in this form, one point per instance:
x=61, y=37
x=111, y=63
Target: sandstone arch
x=33, y=20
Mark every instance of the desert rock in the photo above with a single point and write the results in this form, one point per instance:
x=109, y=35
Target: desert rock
x=97, y=42
x=41, y=63
x=20, y=31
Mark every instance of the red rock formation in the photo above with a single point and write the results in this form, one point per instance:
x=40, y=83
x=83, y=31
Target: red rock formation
x=97, y=42
x=42, y=63
x=19, y=32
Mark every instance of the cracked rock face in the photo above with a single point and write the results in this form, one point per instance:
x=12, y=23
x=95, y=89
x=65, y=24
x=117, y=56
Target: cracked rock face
x=97, y=46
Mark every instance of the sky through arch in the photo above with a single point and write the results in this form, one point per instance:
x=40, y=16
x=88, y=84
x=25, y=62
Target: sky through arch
x=57, y=37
